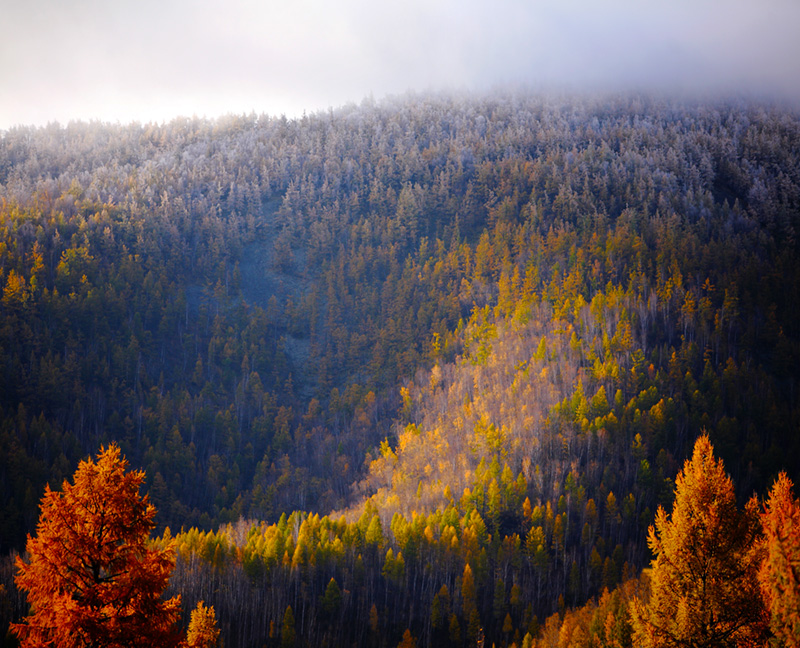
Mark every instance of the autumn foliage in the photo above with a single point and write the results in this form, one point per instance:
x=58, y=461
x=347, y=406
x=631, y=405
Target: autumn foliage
x=488, y=323
x=703, y=586
x=92, y=577
x=721, y=576
x=203, y=631
x=780, y=571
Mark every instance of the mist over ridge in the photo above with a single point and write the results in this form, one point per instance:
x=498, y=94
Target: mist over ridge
x=153, y=61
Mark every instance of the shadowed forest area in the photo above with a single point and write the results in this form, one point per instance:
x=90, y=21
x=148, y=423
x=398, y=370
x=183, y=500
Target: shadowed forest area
x=426, y=364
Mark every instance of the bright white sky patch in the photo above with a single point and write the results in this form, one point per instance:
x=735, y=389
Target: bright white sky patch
x=146, y=60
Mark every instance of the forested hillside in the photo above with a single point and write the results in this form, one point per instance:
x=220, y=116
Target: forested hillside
x=432, y=363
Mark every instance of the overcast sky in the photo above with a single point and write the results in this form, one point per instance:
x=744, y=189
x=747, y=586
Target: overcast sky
x=152, y=60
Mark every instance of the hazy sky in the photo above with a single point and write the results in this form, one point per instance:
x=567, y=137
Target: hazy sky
x=123, y=60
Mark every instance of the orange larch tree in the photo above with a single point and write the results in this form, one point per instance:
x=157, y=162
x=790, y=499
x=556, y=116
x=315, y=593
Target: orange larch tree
x=780, y=571
x=704, y=579
x=203, y=631
x=92, y=578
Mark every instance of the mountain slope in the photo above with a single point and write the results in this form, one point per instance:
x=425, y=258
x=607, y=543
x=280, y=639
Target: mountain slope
x=521, y=296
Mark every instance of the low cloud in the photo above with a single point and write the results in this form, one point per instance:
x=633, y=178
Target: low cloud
x=152, y=60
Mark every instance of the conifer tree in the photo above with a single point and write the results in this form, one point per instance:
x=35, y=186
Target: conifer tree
x=703, y=582
x=332, y=599
x=454, y=630
x=92, y=578
x=408, y=640
x=373, y=621
x=780, y=571
x=288, y=633
x=469, y=602
x=203, y=631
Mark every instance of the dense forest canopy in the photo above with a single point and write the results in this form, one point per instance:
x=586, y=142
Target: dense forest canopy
x=476, y=332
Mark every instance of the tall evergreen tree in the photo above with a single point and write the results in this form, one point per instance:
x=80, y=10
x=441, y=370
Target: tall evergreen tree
x=203, y=631
x=703, y=581
x=780, y=571
x=288, y=633
x=92, y=578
